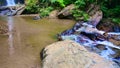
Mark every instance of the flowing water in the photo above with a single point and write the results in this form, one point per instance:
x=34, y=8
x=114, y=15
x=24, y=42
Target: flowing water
x=10, y=2
x=26, y=38
x=88, y=36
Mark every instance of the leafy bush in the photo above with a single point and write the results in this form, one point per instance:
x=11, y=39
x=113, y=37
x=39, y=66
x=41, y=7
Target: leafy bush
x=79, y=12
x=116, y=20
x=80, y=15
x=31, y=6
x=110, y=8
x=45, y=11
x=80, y=3
x=60, y=2
x=112, y=12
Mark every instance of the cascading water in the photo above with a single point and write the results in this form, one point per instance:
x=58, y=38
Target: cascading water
x=87, y=35
x=10, y=2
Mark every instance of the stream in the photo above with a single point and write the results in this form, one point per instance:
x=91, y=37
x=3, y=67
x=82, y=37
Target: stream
x=94, y=40
x=21, y=47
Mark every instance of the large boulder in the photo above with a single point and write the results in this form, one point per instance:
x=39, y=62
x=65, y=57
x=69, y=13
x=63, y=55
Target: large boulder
x=69, y=54
x=53, y=14
x=66, y=12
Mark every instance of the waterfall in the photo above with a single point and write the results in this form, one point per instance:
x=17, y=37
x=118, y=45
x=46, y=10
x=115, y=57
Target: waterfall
x=10, y=2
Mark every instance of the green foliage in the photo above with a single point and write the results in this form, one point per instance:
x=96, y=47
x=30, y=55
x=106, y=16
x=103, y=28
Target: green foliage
x=31, y=6
x=45, y=11
x=80, y=15
x=80, y=3
x=86, y=16
x=60, y=2
x=110, y=8
x=116, y=20
x=44, y=3
x=112, y=12
x=56, y=3
x=79, y=12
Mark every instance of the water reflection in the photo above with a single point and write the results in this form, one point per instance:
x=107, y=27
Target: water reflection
x=26, y=38
x=10, y=34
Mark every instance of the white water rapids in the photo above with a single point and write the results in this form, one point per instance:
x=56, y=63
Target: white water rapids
x=86, y=41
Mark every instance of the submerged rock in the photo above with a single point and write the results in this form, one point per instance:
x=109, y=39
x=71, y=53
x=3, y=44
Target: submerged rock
x=3, y=28
x=68, y=54
x=36, y=17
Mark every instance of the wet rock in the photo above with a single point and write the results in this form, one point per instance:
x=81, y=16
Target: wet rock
x=95, y=14
x=96, y=18
x=68, y=54
x=116, y=42
x=92, y=9
x=101, y=47
x=66, y=12
x=106, y=25
x=53, y=14
x=117, y=53
x=116, y=28
x=117, y=56
x=12, y=10
x=11, y=13
x=36, y=17
x=3, y=28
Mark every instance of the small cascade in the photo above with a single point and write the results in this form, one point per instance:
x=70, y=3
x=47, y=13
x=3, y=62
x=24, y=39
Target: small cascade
x=10, y=2
x=93, y=39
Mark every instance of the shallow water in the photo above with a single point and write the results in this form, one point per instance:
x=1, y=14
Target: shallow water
x=26, y=38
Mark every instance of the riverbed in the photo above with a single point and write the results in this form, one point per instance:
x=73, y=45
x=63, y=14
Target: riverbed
x=21, y=46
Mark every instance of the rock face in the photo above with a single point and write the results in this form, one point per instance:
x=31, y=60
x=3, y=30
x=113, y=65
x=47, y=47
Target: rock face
x=53, y=14
x=66, y=12
x=68, y=54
